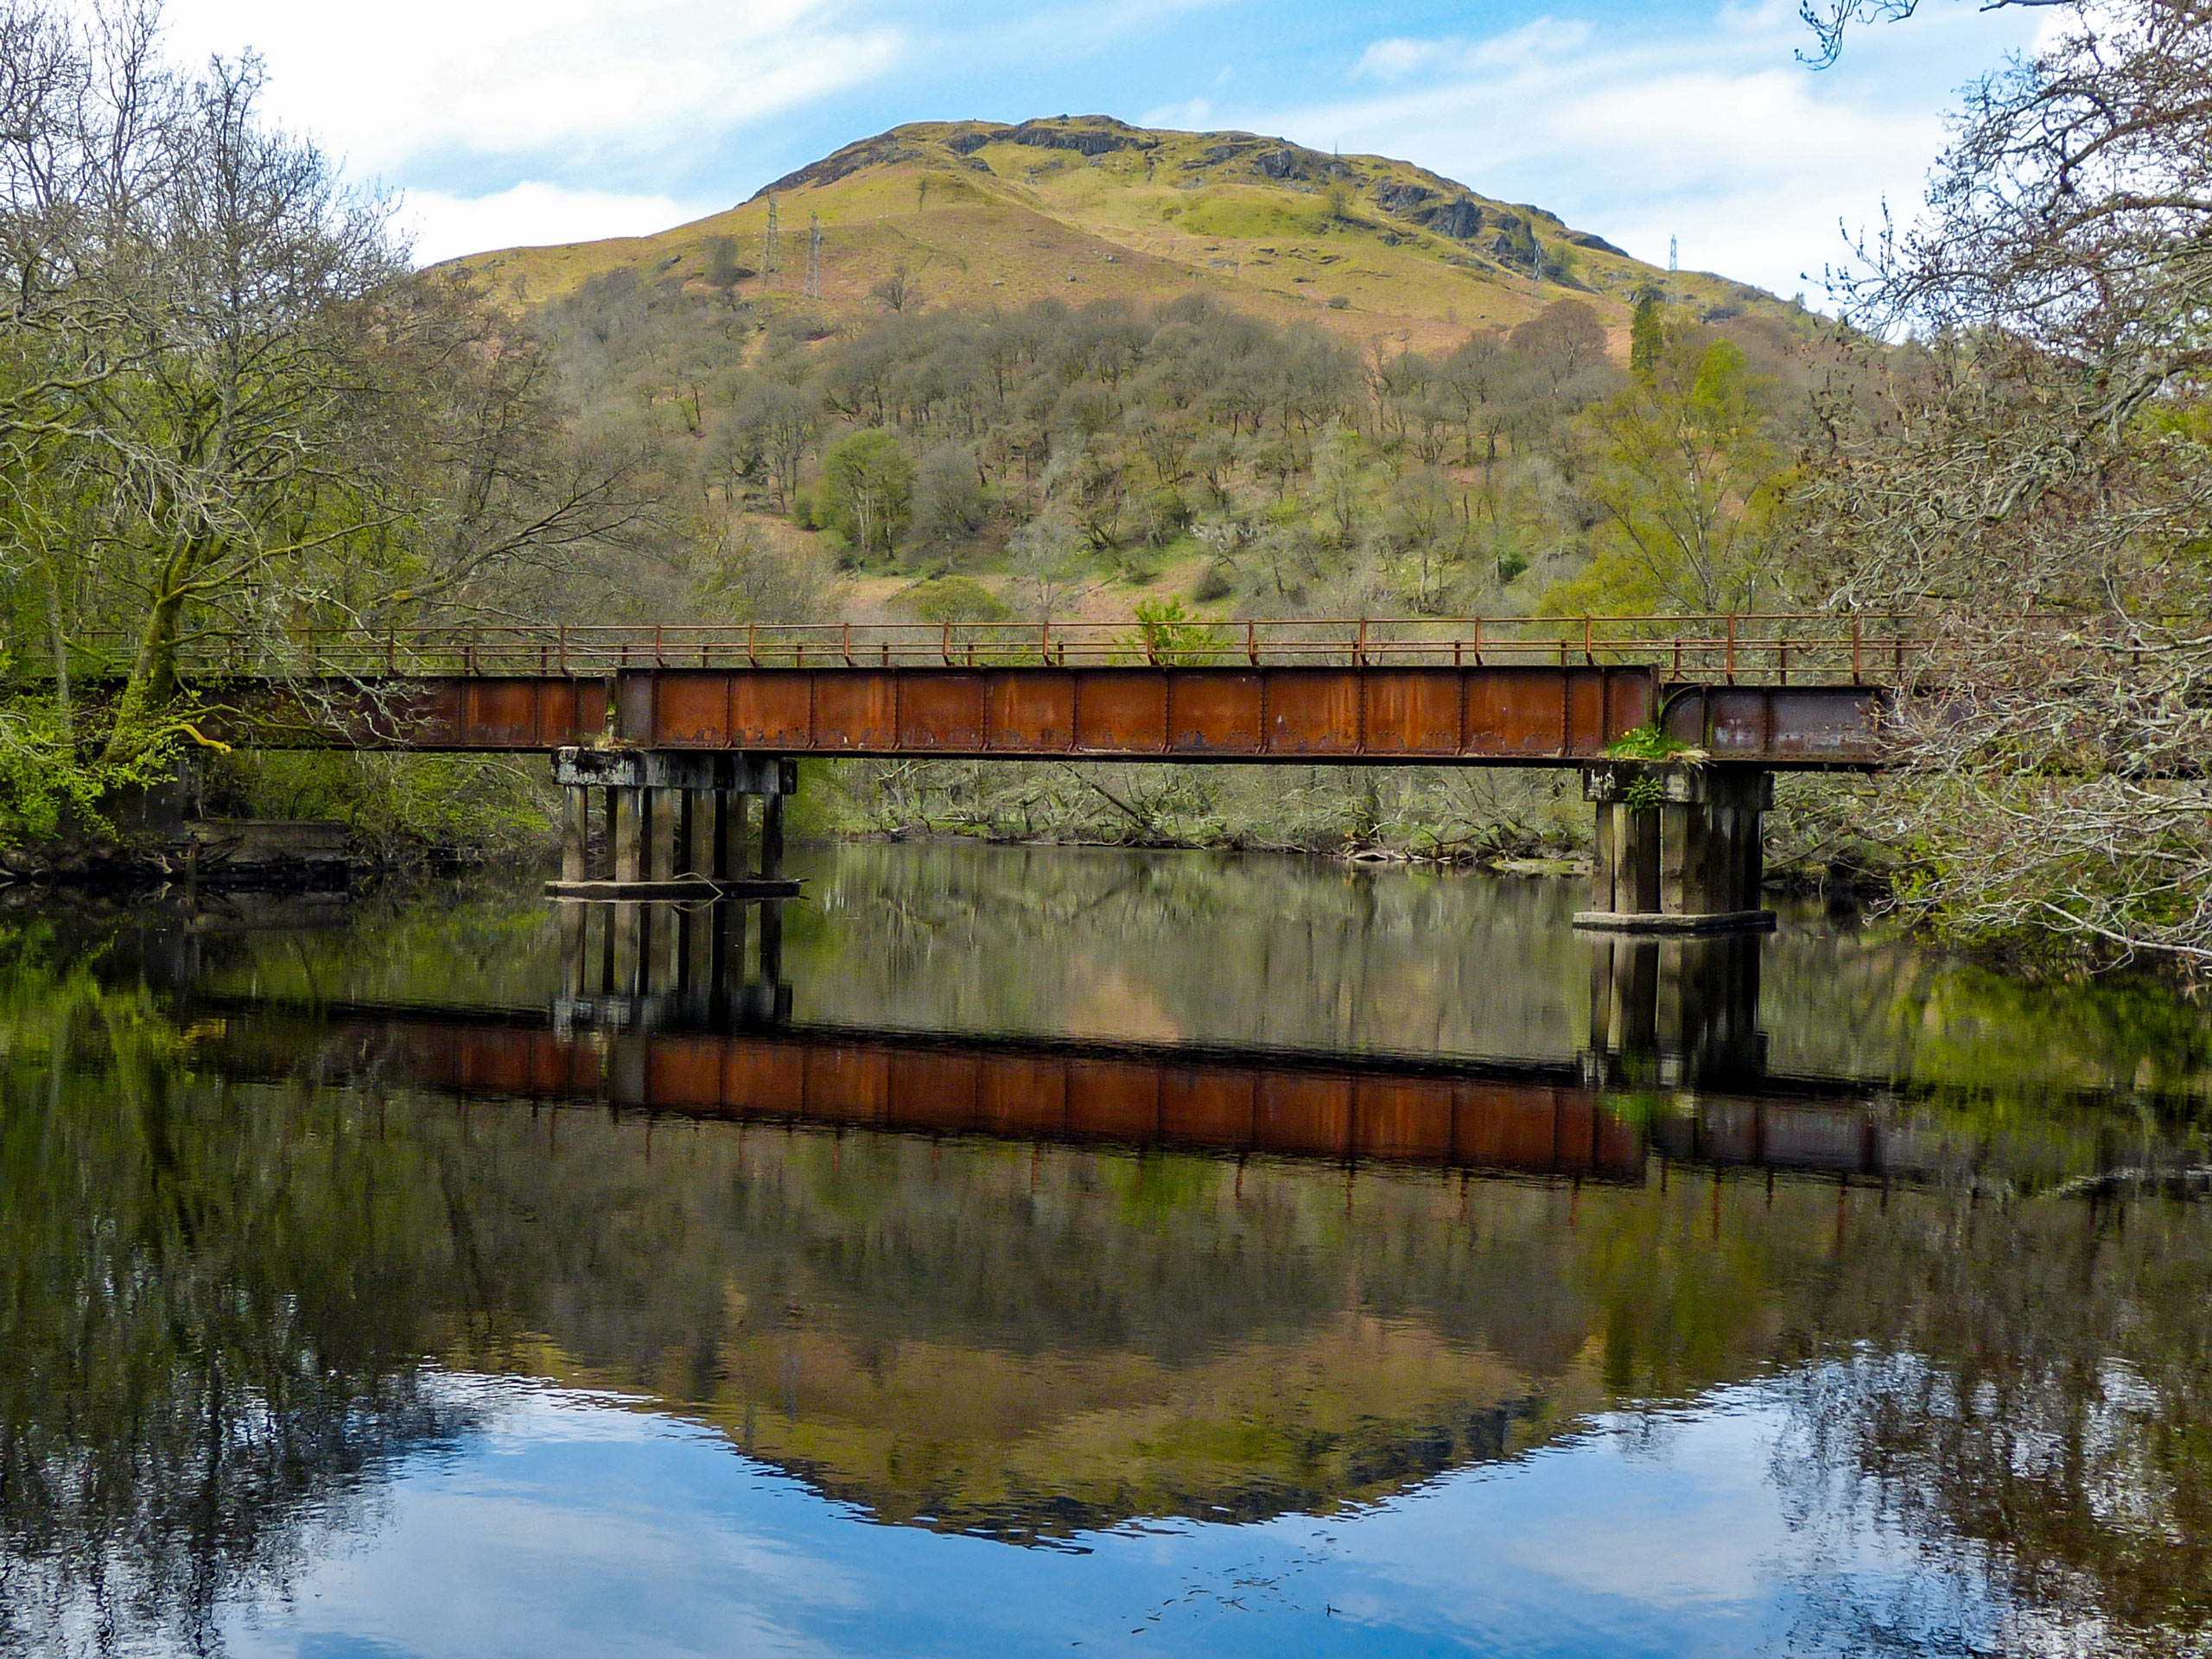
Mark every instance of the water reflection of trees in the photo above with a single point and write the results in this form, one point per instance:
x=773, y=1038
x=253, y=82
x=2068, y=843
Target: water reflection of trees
x=217, y=1292
x=210, y=1314
x=2028, y=1392
x=1311, y=952
x=1264, y=948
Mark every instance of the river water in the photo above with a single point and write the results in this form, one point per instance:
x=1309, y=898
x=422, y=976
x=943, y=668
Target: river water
x=1040, y=1250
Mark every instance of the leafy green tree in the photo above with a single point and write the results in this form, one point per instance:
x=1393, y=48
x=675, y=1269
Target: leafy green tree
x=1087, y=479
x=1338, y=463
x=1168, y=634
x=226, y=406
x=1420, y=520
x=1045, y=558
x=868, y=487
x=1688, y=476
x=954, y=598
x=1647, y=338
x=949, y=503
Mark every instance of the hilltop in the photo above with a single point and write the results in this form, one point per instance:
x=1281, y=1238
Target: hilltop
x=981, y=213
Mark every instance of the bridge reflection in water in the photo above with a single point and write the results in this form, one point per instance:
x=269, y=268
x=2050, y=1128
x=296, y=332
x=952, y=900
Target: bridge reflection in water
x=712, y=964
x=700, y=1027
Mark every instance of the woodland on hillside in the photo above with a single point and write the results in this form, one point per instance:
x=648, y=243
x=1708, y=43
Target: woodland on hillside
x=1018, y=464
x=228, y=410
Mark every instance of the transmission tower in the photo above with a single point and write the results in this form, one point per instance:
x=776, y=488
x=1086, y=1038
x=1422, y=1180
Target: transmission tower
x=772, y=244
x=814, y=256
x=1673, y=275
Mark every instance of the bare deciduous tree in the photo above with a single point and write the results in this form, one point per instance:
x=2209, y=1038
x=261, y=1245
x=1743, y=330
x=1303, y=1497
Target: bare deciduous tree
x=2039, y=475
x=226, y=405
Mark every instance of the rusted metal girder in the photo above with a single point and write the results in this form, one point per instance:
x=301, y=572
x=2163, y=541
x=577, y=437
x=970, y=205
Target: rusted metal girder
x=1522, y=714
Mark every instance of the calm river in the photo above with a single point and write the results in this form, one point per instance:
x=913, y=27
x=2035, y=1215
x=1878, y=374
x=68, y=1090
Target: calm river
x=1021, y=1252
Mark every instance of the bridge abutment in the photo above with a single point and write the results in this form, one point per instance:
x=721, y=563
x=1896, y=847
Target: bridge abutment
x=1679, y=846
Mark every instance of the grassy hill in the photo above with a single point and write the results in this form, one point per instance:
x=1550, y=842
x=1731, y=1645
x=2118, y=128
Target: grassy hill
x=1074, y=370
x=978, y=214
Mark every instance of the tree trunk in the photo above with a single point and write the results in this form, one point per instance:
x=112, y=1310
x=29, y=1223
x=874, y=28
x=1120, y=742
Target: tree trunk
x=153, y=683
x=58, y=638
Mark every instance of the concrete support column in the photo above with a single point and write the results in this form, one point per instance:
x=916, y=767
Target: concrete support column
x=1677, y=847
x=627, y=831
x=703, y=812
x=657, y=929
x=576, y=832
x=772, y=836
x=626, y=810
x=696, y=953
x=663, y=806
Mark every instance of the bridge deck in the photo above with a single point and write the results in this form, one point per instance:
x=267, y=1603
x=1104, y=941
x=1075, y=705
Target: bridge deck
x=1790, y=691
x=1526, y=715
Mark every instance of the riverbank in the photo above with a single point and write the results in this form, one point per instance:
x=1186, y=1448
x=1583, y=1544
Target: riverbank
x=285, y=820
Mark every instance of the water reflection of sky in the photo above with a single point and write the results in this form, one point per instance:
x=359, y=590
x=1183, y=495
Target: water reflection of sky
x=579, y=1524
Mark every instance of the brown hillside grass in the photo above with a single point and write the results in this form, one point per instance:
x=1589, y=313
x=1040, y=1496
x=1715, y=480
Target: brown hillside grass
x=1167, y=214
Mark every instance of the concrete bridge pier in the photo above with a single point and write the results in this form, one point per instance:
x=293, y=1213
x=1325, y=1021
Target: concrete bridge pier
x=674, y=825
x=1678, y=847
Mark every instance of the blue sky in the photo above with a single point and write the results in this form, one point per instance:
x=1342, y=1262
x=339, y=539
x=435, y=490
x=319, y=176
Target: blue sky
x=504, y=123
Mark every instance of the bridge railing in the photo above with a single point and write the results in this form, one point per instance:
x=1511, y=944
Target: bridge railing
x=1770, y=647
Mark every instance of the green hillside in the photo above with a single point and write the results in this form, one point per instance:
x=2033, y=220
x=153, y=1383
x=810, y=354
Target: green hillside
x=1087, y=207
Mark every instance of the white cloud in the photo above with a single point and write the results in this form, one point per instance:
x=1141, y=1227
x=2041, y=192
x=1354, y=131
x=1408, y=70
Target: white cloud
x=1194, y=114
x=1395, y=59
x=589, y=83
x=529, y=214
x=1716, y=135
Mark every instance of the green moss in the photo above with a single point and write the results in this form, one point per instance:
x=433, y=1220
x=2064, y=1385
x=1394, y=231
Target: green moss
x=1645, y=743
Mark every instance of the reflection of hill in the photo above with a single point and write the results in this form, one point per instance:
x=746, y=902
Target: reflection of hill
x=1026, y=1446
x=1033, y=1339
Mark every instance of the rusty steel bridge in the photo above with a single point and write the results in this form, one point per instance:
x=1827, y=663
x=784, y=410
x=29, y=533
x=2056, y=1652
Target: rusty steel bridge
x=677, y=728
x=1790, y=691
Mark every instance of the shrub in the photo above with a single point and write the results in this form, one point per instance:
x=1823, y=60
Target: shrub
x=953, y=599
x=1212, y=583
x=1163, y=515
x=1168, y=634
